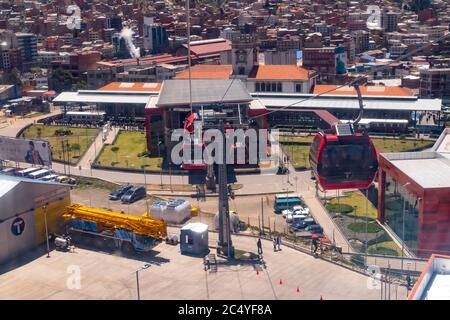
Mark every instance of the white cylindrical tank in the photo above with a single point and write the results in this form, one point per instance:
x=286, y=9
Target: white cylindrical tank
x=171, y=211
x=234, y=221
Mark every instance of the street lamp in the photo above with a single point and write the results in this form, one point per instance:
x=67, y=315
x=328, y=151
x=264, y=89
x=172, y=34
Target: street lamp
x=44, y=208
x=145, y=266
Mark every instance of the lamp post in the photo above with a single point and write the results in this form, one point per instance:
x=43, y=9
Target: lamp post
x=145, y=266
x=44, y=208
x=403, y=224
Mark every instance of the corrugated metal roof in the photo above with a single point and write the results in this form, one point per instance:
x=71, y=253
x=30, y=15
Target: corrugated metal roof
x=352, y=103
x=176, y=92
x=103, y=97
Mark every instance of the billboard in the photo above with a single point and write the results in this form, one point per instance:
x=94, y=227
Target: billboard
x=37, y=152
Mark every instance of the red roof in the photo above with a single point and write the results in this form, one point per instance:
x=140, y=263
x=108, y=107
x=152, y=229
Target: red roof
x=132, y=86
x=209, y=47
x=279, y=72
x=207, y=71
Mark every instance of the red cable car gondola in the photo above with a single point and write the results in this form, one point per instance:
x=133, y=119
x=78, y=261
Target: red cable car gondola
x=342, y=158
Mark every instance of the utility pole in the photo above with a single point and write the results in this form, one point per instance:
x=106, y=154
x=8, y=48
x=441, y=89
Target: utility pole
x=46, y=230
x=262, y=215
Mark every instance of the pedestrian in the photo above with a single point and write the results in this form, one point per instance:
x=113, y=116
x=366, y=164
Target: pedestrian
x=275, y=244
x=279, y=242
x=259, y=245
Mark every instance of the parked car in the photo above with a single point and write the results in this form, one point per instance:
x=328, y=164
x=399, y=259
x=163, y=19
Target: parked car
x=134, y=194
x=314, y=228
x=50, y=177
x=118, y=193
x=65, y=179
x=294, y=210
x=296, y=227
x=296, y=217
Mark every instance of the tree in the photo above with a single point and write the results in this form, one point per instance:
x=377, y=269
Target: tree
x=115, y=150
x=11, y=77
x=81, y=85
x=60, y=80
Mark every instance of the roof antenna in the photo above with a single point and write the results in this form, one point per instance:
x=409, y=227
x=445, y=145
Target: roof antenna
x=188, y=27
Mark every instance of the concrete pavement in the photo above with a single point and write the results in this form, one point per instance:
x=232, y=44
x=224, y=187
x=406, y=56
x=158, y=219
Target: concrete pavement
x=76, y=275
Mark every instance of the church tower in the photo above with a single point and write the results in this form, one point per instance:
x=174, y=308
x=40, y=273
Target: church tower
x=244, y=55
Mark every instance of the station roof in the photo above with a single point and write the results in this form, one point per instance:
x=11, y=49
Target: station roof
x=434, y=282
x=273, y=100
x=7, y=183
x=95, y=96
x=428, y=169
x=176, y=92
x=132, y=86
x=376, y=90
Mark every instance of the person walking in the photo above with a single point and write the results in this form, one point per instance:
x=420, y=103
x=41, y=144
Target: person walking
x=279, y=242
x=259, y=245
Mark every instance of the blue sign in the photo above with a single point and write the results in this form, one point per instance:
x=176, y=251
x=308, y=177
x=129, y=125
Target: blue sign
x=18, y=226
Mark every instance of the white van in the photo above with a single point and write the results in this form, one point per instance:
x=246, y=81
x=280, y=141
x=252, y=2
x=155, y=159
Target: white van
x=26, y=172
x=39, y=174
x=50, y=177
x=8, y=172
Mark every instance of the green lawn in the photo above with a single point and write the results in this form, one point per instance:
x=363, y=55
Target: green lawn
x=129, y=145
x=386, y=248
x=360, y=227
x=298, y=154
x=397, y=145
x=356, y=198
x=82, y=137
x=301, y=139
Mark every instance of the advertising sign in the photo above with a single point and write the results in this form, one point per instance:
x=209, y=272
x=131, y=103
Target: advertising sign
x=37, y=152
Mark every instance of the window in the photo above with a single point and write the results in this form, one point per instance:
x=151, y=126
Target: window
x=279, y=87
x=263, y=87
x=274, y=87
x=298, y=87
x=257, y=87
x=241, y=70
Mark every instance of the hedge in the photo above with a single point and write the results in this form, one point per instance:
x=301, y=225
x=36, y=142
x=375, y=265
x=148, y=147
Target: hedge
x=339, y=208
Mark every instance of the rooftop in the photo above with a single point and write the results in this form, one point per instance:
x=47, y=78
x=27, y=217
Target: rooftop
x=279, y=72
x=176, y=92
x=132, y=86
x=205, y=47
x=428, y=169
x=207, y=71
x=434, y=282
x=376, y=90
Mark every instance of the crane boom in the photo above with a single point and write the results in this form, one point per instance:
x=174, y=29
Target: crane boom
x=113, y=220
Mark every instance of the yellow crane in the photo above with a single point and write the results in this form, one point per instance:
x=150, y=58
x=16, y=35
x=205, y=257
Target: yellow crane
x=141, y=225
